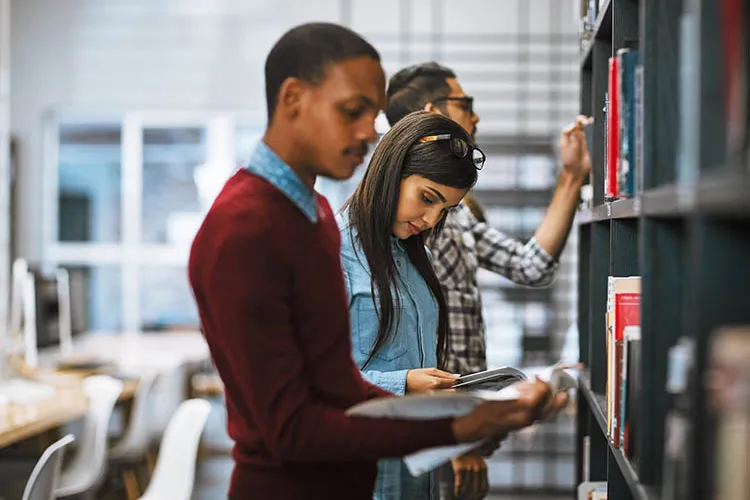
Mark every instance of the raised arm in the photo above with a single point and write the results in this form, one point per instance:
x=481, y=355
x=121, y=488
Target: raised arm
x=552, y=233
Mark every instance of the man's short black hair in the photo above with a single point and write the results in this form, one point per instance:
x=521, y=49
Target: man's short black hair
x=306, y=52
x=412, y=88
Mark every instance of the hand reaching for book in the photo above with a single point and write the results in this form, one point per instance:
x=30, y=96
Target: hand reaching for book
x=429, y=379
x=573, y=151
x=497, y=418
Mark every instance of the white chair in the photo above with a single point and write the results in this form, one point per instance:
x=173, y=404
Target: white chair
x=134, y=445
x=170, y=391
x=174, y=474
x=46, y=473
x=88, y=468
x=137, y=436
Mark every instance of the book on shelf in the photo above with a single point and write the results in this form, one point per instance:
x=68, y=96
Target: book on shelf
x=457, y=403
x=627, y=62
x=638, y=174
x=728, y=398
x=678, y=427
x=631, y=391
x=592, y=490
x=688, y=151
x=622, y=312
x=735, y=52
x=612, y=145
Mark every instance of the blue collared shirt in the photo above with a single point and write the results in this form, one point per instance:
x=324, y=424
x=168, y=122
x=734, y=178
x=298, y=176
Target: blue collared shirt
x=414, y=344
x=267, y=164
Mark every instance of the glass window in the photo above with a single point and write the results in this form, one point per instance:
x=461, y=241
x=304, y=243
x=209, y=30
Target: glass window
x=171, y=210
x=244, y=142
x=95, y=298
x=167, y=301
x=89, y=182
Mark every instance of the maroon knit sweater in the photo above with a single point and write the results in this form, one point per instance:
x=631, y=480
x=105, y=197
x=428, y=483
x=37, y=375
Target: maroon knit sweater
x=273, y=306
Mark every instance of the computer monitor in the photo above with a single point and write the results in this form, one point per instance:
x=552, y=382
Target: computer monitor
x=78, y=284
x=47, y=304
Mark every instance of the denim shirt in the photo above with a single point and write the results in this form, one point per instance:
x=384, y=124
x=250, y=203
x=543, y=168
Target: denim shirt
x=414, y=345
x=267, y=164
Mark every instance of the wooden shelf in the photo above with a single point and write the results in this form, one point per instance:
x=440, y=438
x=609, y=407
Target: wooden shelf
x=597, y=403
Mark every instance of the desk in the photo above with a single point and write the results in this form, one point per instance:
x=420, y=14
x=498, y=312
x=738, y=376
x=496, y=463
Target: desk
x=125, y=348
x=128, y=350
x=26, y=420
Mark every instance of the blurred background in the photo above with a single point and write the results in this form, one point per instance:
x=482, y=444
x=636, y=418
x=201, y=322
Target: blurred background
x=124, y=118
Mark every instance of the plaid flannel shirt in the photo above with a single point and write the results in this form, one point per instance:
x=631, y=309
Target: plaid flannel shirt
x=463, y=246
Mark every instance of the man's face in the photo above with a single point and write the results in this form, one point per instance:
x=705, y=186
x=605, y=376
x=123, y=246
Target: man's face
x=459, y=110
x=336, y=118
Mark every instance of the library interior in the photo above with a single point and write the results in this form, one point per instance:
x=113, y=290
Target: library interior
x=194, y=302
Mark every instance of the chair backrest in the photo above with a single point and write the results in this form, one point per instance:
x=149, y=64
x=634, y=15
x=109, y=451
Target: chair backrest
x=89, y=466
x=174, y=474
x=170, y=391
x=43, y=479
x=137, y=437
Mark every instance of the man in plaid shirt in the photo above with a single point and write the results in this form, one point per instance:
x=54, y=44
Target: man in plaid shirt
x=467, y=242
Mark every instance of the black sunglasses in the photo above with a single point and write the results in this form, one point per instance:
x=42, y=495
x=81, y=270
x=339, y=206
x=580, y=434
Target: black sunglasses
x=467, y=102
x=459, y=148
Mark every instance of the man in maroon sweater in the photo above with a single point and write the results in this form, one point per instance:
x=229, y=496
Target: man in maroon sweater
x=266, y=275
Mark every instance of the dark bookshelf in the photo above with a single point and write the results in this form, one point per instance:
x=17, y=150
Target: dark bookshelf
x=602, y=30
x=686, y=233
x=596, y=404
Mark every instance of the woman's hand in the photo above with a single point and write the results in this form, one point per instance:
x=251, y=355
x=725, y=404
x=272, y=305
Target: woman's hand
x=429, y=379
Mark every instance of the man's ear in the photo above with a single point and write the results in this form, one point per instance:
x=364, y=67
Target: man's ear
x=435, y=109
x=290, y=97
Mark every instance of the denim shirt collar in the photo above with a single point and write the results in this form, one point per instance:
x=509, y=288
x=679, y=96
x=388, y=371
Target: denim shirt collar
x=267, y=164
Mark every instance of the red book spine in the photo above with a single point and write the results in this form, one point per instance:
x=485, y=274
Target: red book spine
x=627, y=313
x=613, y=131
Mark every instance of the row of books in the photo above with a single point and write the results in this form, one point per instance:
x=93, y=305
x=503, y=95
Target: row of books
x=623, y=320
x=623, y=125
x=727, y=384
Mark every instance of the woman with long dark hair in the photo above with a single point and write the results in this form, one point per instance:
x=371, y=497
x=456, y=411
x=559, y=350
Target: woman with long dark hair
x=421, y=168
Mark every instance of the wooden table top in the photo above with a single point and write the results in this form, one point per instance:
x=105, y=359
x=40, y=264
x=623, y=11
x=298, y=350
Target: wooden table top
x=19, y=421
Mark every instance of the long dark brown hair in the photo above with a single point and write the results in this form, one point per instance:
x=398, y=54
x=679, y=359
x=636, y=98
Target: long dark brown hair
x=372, y=211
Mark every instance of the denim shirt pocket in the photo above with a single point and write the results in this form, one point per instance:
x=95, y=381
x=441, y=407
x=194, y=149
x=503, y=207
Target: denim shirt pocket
x=366, y=327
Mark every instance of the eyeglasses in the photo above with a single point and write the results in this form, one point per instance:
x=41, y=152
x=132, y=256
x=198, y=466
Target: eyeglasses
x=466, y=102
x=459, y=148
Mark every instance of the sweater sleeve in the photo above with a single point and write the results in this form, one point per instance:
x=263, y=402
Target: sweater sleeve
x=247, y=298
x=373, y=391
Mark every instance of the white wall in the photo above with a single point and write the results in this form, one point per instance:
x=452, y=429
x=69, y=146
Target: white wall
x=198, y=54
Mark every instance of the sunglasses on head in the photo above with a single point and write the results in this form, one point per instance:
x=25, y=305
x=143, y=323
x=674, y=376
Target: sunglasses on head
x=459, y=148
x=466, y=102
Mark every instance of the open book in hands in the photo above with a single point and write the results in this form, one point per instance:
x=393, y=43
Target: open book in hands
x=471, y=391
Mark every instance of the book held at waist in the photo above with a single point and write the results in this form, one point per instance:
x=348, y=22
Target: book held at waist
x=457, y=403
